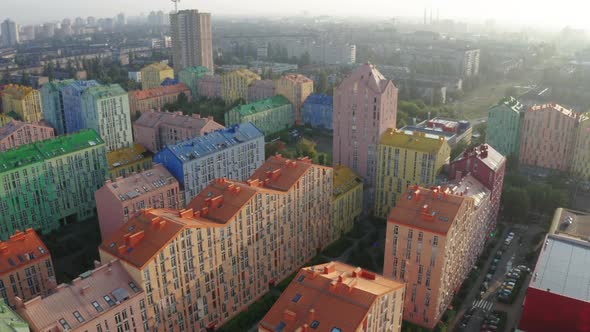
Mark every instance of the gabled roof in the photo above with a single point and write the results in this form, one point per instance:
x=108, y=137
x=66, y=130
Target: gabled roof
x=368, y=74
x=486, y=153
x=280, y=173
x=15, y=125
x=21, y=249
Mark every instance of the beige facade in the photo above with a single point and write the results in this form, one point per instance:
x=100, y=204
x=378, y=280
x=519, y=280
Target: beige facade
x=347, y=201
x=296, y=88
x=153, y=75
x=234, y=85
x=141, y=101
x=24, y=101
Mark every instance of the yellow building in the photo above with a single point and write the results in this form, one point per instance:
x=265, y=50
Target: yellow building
x=126, y=161
x=4, y=119
x=153, y=75
x=581, y=164
x=296, y=88
x=234, y=85
x=347, y=200
x=24, y=101
x=407, y=158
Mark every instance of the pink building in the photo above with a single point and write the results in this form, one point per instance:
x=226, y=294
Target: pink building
x=261, y=89
x=155, y=130
x=365, y=105
x=548, y=135
x=118, y=201
x=210, y=86
x=141, y=101
x=16, y=133
x=104, y=299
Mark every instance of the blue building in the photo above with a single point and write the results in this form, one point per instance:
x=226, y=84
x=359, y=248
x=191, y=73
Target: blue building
x=169, y=81
x=72, y=104
x=317, y=111
x=233, y=153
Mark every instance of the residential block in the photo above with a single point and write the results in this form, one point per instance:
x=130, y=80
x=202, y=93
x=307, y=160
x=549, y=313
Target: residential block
x=234, y=85
x=318, y=110
x=17, y=133
x=347, y=200
x=269, y=115
x=190, y=77
x=23, y=101
x=296, y=88
x=504, y=125
x=53, y=107
x=192, y=44
x=581, y=163
x=141, y=101
x=126, y=161
x=73, y=104
x=210, y=87
x=261, y=89
x=154, y=74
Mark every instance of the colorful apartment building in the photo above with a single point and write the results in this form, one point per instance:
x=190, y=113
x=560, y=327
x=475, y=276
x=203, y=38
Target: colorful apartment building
x=486, y=165
x=337, y=297
x=5, y=119
x=141, y=101
x=17, y=133
x=126, y=161
x=503, y=126
x=190, y=76
x=73, y=105
x=103, y=299
x=209, y=262
x=261, y=89
x=365, y=106
x=24, y=101
x=318, y=110
x=53, y=107
x=106, y=110
x=48, y=183
x=210, y=87
x=154, y=74
x=10, y=321
x=580, y=167
x=27, y=270
x=548, y=137
x=430, y=246
x=119, y=200
x=268, y=115
x=407, y=158
x=233, y=153
x=347, y=200
x=234, y=85
x=296, y=88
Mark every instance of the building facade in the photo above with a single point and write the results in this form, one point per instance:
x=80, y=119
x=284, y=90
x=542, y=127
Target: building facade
x=581, y=163
x=234, y=85
x=365, y=106
x=126, y=161
x=337, y=297
x=190, y=77
x=296, y=88
x=154, y=74
x=155, y=130
x=192, y=44
x=261, y=89
x=269, y=115
x=119, y=200
x=210, y=87
x=318, y=110
x=347, y=200
x=503, y=126
x=53, y=107
x=407, y=158
x=5, y=119
x=141, y=101
x=103, y=299
x=23, y=101
x=17, y=133
x=233, y=153
x=47, y=183
x=263, y=229
x=73, y=111
x=547, y=138
x=10, y=33
x=29, y=270
x=106, y=110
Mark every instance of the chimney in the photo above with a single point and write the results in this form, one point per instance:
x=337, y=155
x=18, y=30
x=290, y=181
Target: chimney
x=311, y=315
x=331, y=267
x=134, y=239
x=84, y=290
x=185, y=213
x=19, y=303
x=304, y=328
x=204, y=212
x=3, y=247
x=357, y=272
x=289, y=315
x=97, y=264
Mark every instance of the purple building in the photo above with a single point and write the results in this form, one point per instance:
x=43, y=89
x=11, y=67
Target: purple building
x=261, y=89
x=365, y=106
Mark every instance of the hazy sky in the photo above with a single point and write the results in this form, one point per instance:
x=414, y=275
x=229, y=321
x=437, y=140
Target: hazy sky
x=553, y=13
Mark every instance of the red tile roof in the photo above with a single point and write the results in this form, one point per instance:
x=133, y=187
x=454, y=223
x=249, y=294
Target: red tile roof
x=297, y=78
x=280, y=173
x=160, y=91
x=21, y=249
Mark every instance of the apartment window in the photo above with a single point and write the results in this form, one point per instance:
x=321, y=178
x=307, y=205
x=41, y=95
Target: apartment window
x=133, y=287
x=78, y=316
x=109, y=300
x=64, y=324
x=413, y=298
x=435, y=241
x=97, y=306
x=98, y=327
x=296, y=298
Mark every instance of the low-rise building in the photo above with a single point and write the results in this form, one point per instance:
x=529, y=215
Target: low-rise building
x=119, y=200
x=154, y=74
x=126, y=161
x=155, y=130
x=261, y=89
x=337, y=297
x=455, y=132
x=233, y=153
x=141, y=101
x=103, y=299
x=296, y=88
x=503, y=126
x=210, y=87
x=10, y=321
x=23, y=101
x=347, y=200
x=27, y=270
x=318, y=110
x=269, y=115
x=190, y=76
x=17, y=133
x=234, y=85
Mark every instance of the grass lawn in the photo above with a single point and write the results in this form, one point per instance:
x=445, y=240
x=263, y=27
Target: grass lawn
x=475, y=103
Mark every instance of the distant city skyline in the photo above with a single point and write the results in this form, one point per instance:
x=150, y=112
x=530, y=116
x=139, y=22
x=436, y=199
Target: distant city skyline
x=524, y=12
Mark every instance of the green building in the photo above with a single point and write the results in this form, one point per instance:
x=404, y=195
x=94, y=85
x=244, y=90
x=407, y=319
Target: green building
x=10, y=321
x=53, y=109
x=190, y=76
x=46, y=184
x=268, y=115
x=503, y=126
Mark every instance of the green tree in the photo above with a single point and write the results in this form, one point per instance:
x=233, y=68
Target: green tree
x=322, y=86
x=458, y=150
x=304, y=59
x=516, y=203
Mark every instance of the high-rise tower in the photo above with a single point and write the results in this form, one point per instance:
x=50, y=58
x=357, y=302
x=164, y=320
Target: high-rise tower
x=191, y=39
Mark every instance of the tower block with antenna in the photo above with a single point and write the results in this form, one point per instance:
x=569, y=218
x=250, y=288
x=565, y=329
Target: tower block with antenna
x=175, y=5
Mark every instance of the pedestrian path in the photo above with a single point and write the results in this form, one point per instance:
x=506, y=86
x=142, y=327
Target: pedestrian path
x=483, y=304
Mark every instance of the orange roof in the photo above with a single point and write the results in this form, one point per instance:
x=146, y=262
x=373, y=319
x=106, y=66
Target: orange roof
x=332, y=295
x=280, y=173
x=159, y=91
x=20, y=250
x=297, y=78
x=433, y=210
